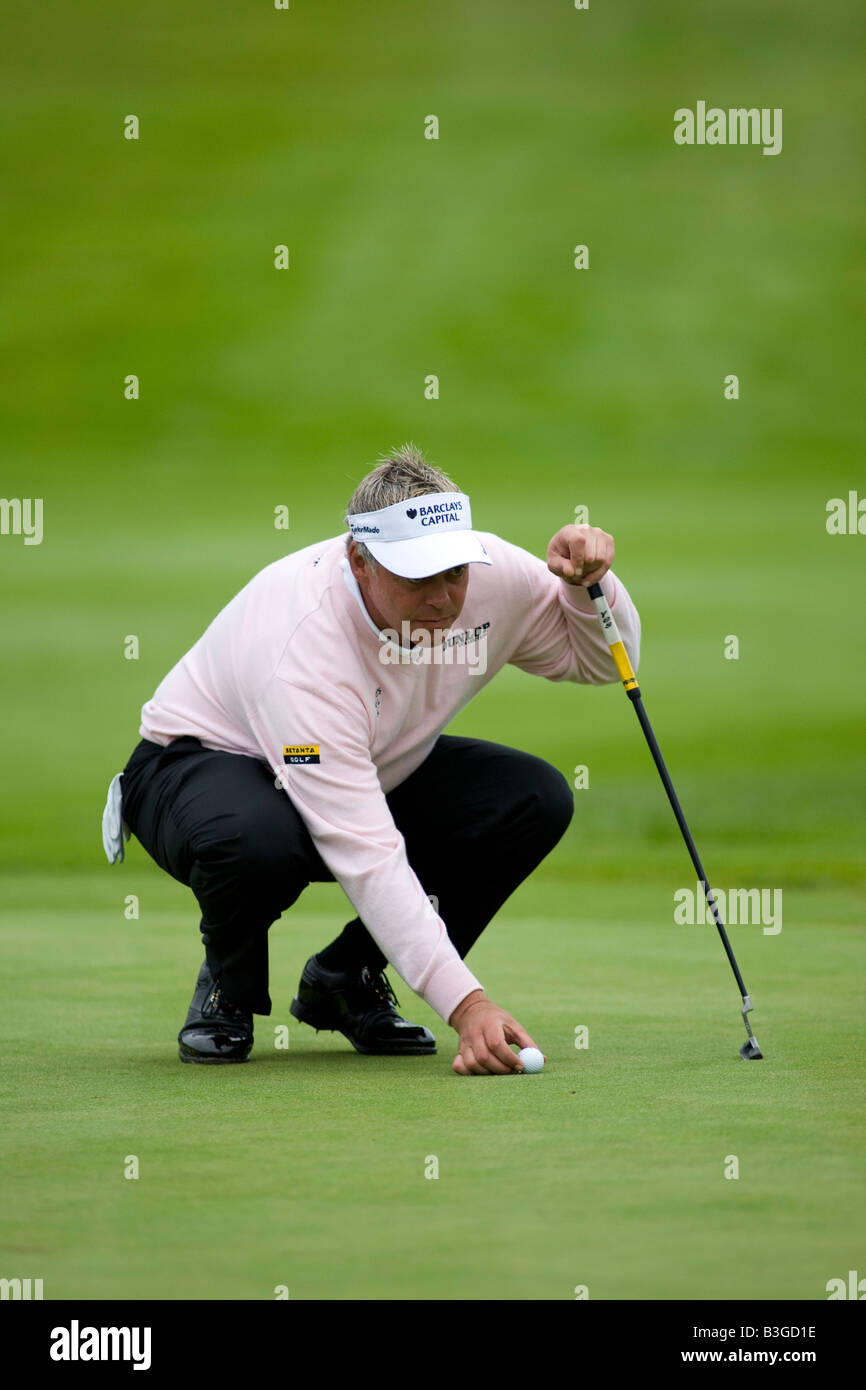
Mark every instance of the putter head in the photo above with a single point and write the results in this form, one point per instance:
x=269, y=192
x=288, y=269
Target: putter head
x=750, y=1051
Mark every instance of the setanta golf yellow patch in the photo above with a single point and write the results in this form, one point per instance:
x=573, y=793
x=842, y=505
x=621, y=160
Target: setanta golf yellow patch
x=301, y=753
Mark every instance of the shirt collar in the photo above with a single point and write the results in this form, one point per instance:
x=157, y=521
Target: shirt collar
x=355, y=590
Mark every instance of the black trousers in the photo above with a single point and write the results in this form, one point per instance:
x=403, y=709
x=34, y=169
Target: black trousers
x=476, y=818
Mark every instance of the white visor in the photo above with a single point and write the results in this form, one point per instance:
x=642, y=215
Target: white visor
x=421, y=536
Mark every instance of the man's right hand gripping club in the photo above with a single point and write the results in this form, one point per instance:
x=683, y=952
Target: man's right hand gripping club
x=485, y=1032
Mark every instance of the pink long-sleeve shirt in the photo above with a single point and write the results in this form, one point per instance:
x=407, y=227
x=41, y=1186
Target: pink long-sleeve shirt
x=294, y=672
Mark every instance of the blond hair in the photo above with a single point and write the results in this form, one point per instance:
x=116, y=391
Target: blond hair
x=403, y=473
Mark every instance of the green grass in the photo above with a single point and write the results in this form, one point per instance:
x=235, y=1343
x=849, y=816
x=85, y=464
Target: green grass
x=557, y=388
x=306, y=1167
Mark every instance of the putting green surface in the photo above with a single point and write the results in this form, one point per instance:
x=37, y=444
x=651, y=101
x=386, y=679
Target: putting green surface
x=306, y=1167
x=559, y=388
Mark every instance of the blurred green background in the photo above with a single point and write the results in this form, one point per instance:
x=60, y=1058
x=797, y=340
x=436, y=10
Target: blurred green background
x=558, y=388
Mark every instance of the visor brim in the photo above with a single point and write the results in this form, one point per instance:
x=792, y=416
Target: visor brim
x=422, y=557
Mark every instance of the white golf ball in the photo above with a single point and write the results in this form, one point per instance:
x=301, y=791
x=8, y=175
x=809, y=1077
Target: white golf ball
x=532, y=1059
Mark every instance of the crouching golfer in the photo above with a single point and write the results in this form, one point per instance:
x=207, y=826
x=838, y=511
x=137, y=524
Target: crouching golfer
x=300, y=740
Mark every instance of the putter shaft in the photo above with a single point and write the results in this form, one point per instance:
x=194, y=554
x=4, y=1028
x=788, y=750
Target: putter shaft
x=632, y=689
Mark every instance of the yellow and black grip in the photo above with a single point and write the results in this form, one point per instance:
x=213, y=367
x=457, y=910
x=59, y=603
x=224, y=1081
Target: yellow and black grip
x=614, y=641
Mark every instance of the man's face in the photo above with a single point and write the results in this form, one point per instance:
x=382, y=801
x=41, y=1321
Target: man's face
x=428, y=604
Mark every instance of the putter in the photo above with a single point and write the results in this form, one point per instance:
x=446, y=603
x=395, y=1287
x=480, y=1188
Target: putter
x=750, y=1051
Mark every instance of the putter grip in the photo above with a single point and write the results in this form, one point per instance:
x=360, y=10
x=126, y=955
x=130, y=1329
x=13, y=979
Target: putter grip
x=614, y=641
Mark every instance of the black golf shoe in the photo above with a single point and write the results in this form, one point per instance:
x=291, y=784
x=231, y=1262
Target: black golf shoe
x=215, y=1031
x=361, y=1007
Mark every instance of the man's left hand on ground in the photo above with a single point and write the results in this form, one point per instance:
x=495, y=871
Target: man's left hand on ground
x=580, y=554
